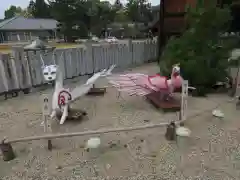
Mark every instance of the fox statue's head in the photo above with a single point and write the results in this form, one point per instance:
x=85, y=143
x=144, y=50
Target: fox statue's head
x=49, y=72
x=176, y=70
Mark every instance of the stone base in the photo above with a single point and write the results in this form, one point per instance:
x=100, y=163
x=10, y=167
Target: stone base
x=73, y=114
x=97, y=91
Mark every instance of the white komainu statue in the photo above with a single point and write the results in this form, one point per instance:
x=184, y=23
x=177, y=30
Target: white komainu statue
x=63, y=97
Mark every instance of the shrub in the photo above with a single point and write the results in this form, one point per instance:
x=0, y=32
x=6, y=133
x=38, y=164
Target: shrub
x=201, y=52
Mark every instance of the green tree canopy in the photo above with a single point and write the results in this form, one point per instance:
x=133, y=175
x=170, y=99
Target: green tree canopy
x=139, y=11
x=12, y=11
x=39, y=9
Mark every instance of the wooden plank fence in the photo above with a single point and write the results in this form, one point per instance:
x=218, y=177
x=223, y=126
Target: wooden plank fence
x=22, y=70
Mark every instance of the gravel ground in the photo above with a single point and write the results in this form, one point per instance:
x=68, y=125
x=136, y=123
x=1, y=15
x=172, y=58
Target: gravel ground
x=212, y=151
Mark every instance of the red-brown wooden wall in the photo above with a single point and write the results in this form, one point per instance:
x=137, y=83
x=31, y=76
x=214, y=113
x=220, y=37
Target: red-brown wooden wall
x=177, y=5
x=175, y=24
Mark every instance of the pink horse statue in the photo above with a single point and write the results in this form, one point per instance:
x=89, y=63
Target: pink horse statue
x=141, y=84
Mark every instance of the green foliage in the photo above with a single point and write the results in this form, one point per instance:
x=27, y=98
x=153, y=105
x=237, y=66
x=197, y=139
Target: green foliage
x=17, y=11
x=121, y=16
x=78, y=18
x=12, y=11
x=95, y=15
x=201, y=52
x=139, y=11
x=39, y=9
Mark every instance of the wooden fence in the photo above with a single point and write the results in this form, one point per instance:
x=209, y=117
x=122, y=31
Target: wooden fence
x=22, y=70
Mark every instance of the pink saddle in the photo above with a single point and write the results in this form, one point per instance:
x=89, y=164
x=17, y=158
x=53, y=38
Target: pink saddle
x=158, y=81
x=177, y=82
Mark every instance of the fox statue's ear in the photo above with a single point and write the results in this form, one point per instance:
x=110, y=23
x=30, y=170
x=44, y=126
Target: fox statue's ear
x=178, y=64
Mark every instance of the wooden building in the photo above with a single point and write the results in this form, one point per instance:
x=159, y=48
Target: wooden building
x=174, y=10
x=21, y=29
x=171, y=21
x=174, y=20
x=171, y=18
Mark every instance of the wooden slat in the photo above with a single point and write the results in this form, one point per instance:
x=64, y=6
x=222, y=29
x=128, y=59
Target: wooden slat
x=174, y=14
x=171, y=104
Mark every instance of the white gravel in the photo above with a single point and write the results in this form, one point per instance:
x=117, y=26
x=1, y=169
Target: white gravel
x=212, y=151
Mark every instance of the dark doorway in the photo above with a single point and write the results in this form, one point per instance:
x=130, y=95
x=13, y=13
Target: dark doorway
x=235, y=24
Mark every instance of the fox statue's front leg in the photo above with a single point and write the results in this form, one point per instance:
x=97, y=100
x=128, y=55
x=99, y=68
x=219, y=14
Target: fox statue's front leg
x=64, y=114
x=55, y=106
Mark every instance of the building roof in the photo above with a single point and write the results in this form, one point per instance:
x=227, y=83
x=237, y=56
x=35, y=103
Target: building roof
x=156, y=8
x=22, y=23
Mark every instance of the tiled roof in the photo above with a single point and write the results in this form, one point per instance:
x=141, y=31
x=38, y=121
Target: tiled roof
x=21, y=23
x=156, y=8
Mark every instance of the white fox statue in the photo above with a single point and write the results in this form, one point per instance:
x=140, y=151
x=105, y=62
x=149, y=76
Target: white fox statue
x=63, y=97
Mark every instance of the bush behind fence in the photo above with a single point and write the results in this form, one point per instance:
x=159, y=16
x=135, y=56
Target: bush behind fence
x=23, y=70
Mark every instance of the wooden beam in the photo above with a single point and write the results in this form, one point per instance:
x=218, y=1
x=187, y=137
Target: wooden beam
x=84, y=133
x=174, y=14
x=161, y=35
x=170, y=33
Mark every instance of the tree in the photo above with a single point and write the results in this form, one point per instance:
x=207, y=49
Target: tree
x=202, y=53
x=39, y=9
x=66, y=14
x=121, y=16
x=106, y=14
x=12, y=11
x=78, y=16
x=118, y=5
x=139, y=11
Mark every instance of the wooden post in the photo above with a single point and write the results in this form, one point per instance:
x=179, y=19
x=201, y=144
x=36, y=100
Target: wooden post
x=237, y=81
x=45, y=114
x=85, y=133
x=7, y=151
x=170, y=134
x=183, y=113
x=161, y=33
